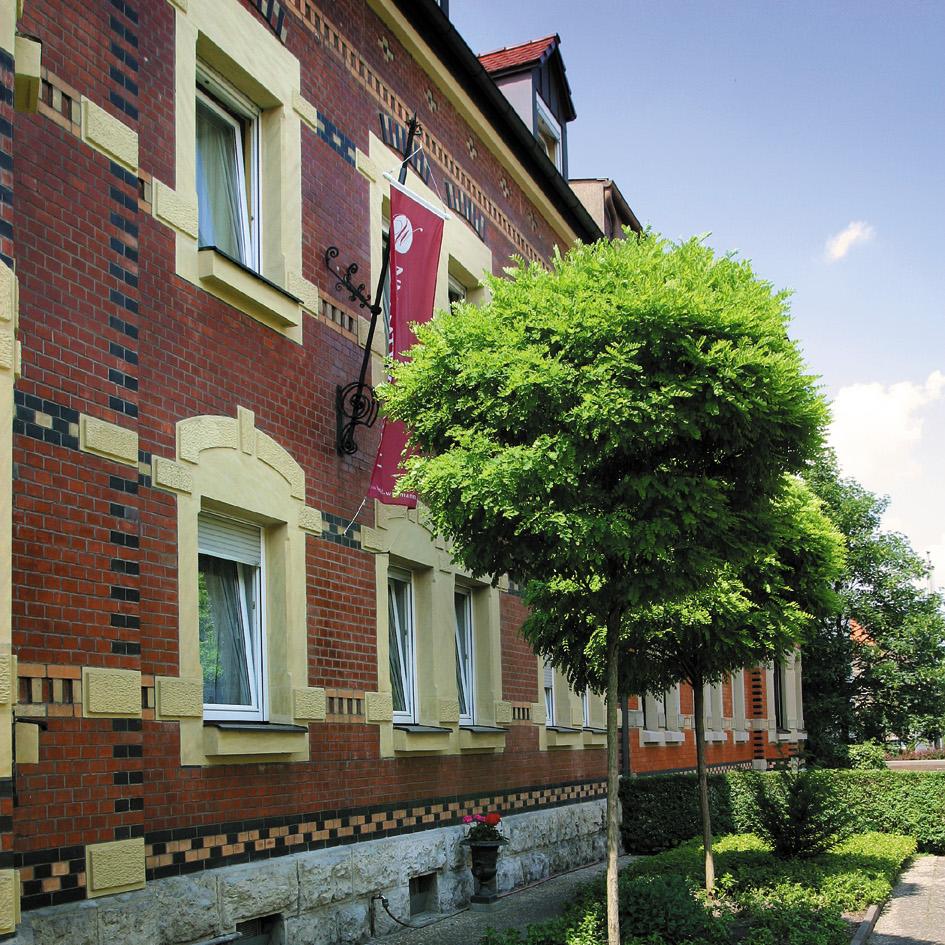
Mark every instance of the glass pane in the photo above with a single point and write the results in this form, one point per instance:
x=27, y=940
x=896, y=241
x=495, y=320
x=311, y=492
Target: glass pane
x=400, y=644
x=221, y=187
x=226, y=605
x=463, y=655
x=550, y=704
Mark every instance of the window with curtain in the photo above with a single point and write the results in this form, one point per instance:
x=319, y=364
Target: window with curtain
x=456, y=290
x=230, y=603
x=549, y=673
x=401, y=646
x=227, y=167
x=462, y=600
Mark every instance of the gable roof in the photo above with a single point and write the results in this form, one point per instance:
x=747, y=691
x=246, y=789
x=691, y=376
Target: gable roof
x=535, y=51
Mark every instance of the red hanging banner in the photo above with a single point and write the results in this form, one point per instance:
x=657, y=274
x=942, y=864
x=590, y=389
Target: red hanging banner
x=416, y=233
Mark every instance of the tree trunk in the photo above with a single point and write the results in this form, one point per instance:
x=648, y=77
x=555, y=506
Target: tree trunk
x=698, y=698
x=613, y=782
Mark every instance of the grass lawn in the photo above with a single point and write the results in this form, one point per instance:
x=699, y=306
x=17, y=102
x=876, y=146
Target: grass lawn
x=761, y=900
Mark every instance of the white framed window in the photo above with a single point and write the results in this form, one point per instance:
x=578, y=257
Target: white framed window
x=456, y=290
x=780, y=694
x=548, y=132
x=402, y=645
x=586, y=708
x=231, y=603
x=549, y=685
x=465, y=656
x=228, y=162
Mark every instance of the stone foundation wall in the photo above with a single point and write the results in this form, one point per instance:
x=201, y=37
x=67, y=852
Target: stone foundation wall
x=323, y=897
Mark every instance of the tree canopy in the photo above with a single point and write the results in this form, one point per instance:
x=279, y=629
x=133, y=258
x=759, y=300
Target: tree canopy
x=875, y=667
x=619, y=423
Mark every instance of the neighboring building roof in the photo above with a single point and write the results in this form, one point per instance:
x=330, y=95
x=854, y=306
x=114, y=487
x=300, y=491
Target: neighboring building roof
x=596, y=193
x=535, y=51
x=434, y=27
x=859, y=634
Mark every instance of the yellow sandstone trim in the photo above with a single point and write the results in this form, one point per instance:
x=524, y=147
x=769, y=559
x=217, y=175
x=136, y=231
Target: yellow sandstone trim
x=252, y=746
x=9, y=901
x=310, y=704
x=178, y=698
x=27, y=744
x=175, y=208
x=378, y=706
x=108, y=439
x=111, y=693
x=171, y=475
x=114, y=867
x=28, y=58
x=107, y=134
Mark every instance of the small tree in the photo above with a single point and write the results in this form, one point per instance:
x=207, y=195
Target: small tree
x=750, y=615
x=617, y=423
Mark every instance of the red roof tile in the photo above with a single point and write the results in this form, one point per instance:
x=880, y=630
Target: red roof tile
x=510, y=57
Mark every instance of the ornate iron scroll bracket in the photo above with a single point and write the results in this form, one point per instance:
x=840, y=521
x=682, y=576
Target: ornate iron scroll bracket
x=355, y=403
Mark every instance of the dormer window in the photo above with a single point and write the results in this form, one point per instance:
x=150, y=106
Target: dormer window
x=548, y=132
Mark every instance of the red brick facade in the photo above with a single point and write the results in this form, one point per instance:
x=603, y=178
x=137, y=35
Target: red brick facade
x=110, y=331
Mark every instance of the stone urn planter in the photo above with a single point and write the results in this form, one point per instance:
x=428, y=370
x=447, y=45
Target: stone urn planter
x=485, y=854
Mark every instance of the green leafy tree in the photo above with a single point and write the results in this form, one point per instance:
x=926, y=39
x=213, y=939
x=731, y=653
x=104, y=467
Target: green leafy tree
x=875, y=668
x=751, y=613
x=618, y=423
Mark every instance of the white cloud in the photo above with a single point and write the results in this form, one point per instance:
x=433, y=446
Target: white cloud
x=858, y=231
x=877, y=430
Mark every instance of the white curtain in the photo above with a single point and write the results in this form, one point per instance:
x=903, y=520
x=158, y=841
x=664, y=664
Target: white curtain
x=400, y=645
x=225, y=637
x=221, y=187
x=463, y=655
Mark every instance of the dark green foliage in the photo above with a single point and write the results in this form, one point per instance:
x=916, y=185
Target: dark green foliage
x=798, y=813
x=763, y=900
x=660, y=812
x=869, y=756
x=890, y=679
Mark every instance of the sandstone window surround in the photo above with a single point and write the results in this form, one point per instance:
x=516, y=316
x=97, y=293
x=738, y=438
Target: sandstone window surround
x=739, y=720
x=230, y=68
x=561, y=711
x=661, y=718
x=417, y=580
x=227, y=470
x=713, y=701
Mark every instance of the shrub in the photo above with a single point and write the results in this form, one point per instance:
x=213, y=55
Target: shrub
x=798, y=814
x=763, y=900
x=868, y=755
x=663, y=811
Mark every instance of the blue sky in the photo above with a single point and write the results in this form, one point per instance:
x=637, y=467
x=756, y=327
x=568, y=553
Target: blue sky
x=776, y=126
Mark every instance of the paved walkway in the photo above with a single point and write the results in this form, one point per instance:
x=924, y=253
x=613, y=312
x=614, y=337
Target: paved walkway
x=515, y=910
x=916, y=912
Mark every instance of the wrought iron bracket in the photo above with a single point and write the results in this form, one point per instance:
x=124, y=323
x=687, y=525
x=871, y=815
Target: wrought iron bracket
x=355, y=403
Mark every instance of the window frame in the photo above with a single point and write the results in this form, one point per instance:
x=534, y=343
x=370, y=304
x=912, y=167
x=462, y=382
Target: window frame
x=467, y=718
x=243, y=115
x=545, y=122
x=410, y=714
x=456, y=290
x=551, y=715
x=259, y=678
x=779, y=695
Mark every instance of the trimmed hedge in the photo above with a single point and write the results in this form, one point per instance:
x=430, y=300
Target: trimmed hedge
x=662, y=811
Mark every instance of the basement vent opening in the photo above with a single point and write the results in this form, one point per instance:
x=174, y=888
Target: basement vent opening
x=423, y=899
x=260, y=931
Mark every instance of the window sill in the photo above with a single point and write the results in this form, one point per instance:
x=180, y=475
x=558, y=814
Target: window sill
x=481, y=738
x=594, y=737
x=559, y=736
x=247, y=290
x=420, y=739
x=715, y=737
x=662, y=737
x=740, y=737
x=252, y=739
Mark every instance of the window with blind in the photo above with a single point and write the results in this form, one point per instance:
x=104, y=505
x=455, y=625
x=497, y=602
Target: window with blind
x=402, y=643
x=230, y=608
x=465, y=656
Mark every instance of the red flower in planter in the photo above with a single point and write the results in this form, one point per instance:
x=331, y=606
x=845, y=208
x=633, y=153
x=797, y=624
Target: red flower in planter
x=493, y=820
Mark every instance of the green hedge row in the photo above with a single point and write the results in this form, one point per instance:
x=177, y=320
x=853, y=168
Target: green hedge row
x=662, y=811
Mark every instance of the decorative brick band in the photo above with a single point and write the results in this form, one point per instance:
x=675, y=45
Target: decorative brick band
x=172, y=853
x=335, y=42
x=341, y=531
